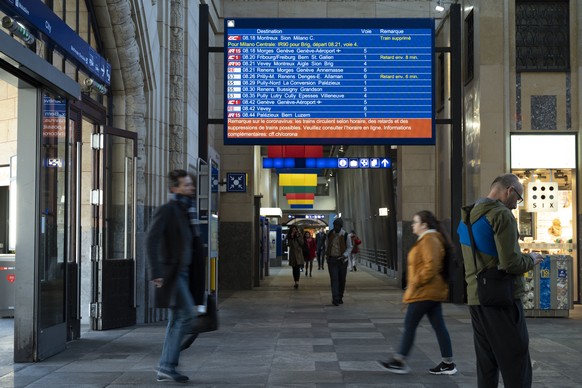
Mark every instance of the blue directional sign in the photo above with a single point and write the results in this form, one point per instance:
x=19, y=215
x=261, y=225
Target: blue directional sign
x=236, y=182
x=313, y=165
x=386, y=162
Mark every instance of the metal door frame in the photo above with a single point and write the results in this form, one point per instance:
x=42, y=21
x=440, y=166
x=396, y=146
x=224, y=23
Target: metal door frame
x=103, y=266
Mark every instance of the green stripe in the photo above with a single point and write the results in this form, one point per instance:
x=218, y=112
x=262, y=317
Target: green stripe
x=299, y=189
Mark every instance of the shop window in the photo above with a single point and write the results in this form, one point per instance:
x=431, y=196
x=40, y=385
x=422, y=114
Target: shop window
x=546, y=218
x=542, y=39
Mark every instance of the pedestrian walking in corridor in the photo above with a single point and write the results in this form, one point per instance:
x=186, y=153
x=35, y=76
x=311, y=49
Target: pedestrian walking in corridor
x=426, y=289
x=320, y=248
x=296, y=260
x=337, y=250
x=176, y=265
x=311, y=248
x=355, y=250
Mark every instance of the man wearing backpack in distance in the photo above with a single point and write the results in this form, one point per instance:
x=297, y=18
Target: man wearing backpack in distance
x=337, y=249
x=426, y=290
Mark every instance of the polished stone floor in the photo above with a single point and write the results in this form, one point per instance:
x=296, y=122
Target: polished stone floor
x=275, y=336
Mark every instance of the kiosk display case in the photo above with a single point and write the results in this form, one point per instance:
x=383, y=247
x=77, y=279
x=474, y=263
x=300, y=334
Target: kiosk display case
x=549, y=292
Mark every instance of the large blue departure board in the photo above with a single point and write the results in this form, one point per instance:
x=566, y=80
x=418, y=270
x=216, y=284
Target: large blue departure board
x=329, y=81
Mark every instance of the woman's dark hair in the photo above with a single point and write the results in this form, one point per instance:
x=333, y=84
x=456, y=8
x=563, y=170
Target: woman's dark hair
x=290, y=231
x=450, y=261
x=431, y=222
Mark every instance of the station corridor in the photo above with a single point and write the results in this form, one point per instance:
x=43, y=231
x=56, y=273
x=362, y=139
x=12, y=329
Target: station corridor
x=275, y=336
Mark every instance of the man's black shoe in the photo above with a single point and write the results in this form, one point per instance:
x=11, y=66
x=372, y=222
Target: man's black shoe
x=171, y=375
x=335, y=302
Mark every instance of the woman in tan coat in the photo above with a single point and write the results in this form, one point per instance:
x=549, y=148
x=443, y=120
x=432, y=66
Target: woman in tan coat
x=424, y=294
x=296, y=260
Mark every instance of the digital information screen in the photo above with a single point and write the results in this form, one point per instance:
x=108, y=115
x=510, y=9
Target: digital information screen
x=329, y=81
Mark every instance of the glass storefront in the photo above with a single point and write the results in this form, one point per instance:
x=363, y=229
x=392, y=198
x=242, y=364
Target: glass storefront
x=53, y=190
x=545, y=164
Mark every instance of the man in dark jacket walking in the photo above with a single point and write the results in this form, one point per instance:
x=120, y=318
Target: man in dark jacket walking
x=177, y=265
x=320, y=249
x=337, y=249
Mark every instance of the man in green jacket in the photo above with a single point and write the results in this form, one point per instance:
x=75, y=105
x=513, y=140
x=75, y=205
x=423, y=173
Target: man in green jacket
x=500, y=333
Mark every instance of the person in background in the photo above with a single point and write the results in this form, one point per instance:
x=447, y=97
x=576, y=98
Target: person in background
x=176, y=265
x=425, y=291
x=310, y=244
x=355, y=250
x=337, y=250
x=320, y=248
x=296, y=260
x=499, y=333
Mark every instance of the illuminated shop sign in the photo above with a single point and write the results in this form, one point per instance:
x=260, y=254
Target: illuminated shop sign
x=543, y=151
x=329, y=81
x=68, y=42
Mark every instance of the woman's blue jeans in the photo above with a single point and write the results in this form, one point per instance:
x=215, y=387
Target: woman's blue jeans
x=181, y=320
x=414, y=314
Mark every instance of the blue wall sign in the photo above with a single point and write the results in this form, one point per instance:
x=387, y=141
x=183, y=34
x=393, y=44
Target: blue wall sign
x=236, y=182
x=43, y=19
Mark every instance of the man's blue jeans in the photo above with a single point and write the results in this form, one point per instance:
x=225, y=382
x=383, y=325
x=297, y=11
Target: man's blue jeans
x=182, y=318
x=434, y=312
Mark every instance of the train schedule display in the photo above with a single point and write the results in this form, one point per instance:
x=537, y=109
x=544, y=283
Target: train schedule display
x=329, y=81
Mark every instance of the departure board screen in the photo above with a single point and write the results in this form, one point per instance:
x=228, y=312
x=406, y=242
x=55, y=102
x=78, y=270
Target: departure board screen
x=329, y=81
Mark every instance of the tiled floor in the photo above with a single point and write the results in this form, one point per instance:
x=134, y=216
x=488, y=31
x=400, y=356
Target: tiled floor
x=275, y=336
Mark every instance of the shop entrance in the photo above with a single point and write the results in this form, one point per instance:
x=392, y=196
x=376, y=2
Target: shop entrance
x=113, y=198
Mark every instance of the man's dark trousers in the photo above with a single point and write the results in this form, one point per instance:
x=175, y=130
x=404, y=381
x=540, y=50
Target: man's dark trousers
x=338, y=269
x=501, y=345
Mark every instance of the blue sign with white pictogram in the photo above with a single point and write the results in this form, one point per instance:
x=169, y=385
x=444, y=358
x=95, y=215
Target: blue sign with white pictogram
x=374, y=163
x=214, y=180
x=236, y=182
x=364, y=163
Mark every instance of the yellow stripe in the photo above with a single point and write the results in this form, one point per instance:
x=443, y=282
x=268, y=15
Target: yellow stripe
x=300, y=201
x=297, y=179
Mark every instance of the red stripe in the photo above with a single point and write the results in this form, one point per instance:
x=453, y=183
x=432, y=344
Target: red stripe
x=300, y=196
